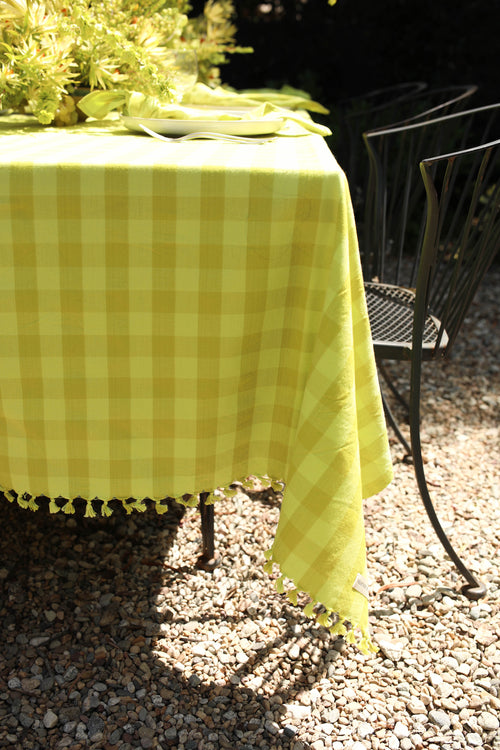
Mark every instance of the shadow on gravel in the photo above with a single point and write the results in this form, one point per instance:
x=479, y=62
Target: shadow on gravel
x=82, y=626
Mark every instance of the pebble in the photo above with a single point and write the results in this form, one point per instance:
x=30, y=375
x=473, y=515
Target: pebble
x=474, y=739
x=489, y=722
x=364, y=729
x=50, y=719
x=326, y=728
x=95, y=727
x=414, y=591
x=298, y=712
x=401, y=730
x=416, y=706
x=39, y=640
x=112, y=638
x=26, y=720
x=272, y=727
x=440, y=718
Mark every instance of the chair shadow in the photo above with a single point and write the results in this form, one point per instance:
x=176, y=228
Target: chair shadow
x=87, y=623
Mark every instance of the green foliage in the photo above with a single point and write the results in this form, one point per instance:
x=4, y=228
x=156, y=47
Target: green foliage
x=49, y=48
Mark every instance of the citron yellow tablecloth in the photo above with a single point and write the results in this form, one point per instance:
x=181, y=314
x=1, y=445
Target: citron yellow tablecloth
x=177, y=317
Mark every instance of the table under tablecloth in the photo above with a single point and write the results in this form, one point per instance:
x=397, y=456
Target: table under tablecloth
x=174, y=318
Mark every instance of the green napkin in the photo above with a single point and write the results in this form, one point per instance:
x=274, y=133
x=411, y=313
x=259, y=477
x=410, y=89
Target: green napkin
x=287, y=97
x=267, y=105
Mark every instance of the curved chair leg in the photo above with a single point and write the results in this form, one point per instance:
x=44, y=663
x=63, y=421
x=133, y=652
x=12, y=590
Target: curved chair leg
x=208, y=559
x=393, y=388
x=390, y=418
x=474, y=588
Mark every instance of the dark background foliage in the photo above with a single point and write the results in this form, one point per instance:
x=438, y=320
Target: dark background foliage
x=358, y=45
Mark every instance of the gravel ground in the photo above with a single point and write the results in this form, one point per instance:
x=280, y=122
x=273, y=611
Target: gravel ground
x=111, y=638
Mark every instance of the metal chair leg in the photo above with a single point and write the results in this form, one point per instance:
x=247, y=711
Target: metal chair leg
x=393, y=388
x=208, y=559
x=474, y=588
x=392, y=421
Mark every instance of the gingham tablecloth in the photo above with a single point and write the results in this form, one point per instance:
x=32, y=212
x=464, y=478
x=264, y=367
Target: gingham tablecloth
x=177, y=317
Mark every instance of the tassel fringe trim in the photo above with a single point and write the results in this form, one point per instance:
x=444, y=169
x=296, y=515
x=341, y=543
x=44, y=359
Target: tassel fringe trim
x=101, y=507
x=328, y=618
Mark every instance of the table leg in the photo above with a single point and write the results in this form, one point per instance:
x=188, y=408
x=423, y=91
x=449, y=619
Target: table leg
x=208, y=559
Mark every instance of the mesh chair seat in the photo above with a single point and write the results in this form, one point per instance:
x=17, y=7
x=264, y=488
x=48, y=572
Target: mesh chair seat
x=391, y=314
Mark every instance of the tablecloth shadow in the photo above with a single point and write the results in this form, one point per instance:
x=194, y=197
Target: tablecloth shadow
x=96, y=655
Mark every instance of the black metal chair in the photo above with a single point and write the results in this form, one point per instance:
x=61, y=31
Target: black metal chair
x=409, y=106
x=422, y=106
x=432, y=230
x=366, y=111
x=429, y=104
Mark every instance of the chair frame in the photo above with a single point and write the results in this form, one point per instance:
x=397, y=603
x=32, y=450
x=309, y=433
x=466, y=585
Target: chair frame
x=450, y=98
x=370, y=103
x=424, y=272
x=474, y=589
x=413, y=105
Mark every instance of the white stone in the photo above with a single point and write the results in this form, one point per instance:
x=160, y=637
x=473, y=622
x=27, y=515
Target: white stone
x=298, y=711
x=199, y=649
x=50, y=719
x=440, y=718
x=474, y=739
x=349, y=694
x=444, y=690
x=416, y=706
x=400, y=730
x=450, y=662
x=314, y=695
x=392, y=648
x=488, y=721
x=435, y=679
x=414, y=591
x=326, y=728
x=364, y=729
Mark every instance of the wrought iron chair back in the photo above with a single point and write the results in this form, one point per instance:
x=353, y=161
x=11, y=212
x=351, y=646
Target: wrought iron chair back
x=366, y=112
x=462, y=235
x=395, y=212
x=429, y=104
x=410, y=105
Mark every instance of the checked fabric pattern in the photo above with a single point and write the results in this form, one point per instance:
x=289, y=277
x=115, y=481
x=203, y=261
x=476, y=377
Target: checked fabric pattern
x=177, y=317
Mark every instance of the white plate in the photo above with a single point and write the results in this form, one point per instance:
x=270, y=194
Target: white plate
x=182, y=127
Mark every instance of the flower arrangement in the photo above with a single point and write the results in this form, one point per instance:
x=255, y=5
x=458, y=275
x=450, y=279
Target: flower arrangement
x=51, y=48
